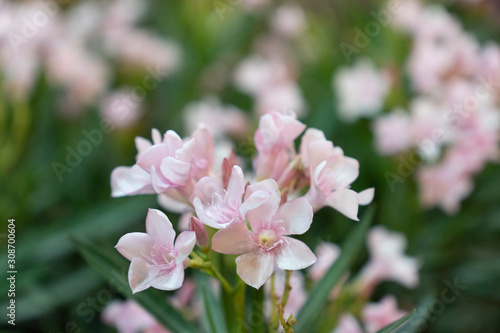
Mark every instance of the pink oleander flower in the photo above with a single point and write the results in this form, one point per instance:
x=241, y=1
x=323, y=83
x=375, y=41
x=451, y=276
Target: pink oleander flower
x=121, y=108
x=288, y=21
x=378, y=315
x=217, y=206
x=327, y=254
x=200, y=231
x=129, y=317
x=156, y=261
x=361, y=90
x=348, y=324
x=388, y=261
x=331, y=174
x=167, y=164
x=393, y=133
x=267, y=244
x=274, y=140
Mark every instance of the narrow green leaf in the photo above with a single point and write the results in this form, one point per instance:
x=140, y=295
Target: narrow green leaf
x=113, y=269
x=392, y=326
x=320, y=292
x=214, y=317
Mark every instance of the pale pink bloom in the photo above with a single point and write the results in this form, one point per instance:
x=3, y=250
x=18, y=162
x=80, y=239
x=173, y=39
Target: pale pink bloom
x=393, y=132
x=184, y=295
x=221, y=119
x=444, y=185
x=170, y=163
x=288, y=21
x=216, y=206
x=274, y=140
x=155, y=260
x=405, y=14
x=129, y=317
x=489, y=68
x=327, y=254
x=256, y=74
x=123, y=13
x=121, y=108
x=360, y=90
x=284, y=98
x=347, y=324
x=388, y=261
x=378, y=315
x=266, y=245
x=331, y=175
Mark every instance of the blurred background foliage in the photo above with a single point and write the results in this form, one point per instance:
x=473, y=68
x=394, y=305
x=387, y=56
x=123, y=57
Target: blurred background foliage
x=58, y=292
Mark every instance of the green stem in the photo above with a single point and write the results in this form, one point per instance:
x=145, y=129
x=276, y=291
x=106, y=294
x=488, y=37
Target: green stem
x=288, y=287
x=273, y=324
x=221, y=278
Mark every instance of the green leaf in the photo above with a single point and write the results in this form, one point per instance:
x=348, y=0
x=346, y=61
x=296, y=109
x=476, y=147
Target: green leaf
x=392, y=326
x=212, y=308
x=114, y=270
x=320, y=292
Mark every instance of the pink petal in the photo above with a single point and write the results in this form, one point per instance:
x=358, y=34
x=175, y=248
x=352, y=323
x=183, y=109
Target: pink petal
x=170, y=281
x=185, y=153
x=140, y=275
x=175, y=171
x=156, y=136
x=345, y=201
x=206, y=188
x=159, y=227
x=142, y=145
x=152, y=156
x=235, y=239
x=184, y=244
x=261, y=202
x=310, y=136
x=340, y=174
x=173, y=202
x=236, y=185
x=295, y=255
x=130, y=181
x=134, y=245
x=172, y=142
x=160, y=184
x=366, y=197
x=297, y=215
x=255, y=268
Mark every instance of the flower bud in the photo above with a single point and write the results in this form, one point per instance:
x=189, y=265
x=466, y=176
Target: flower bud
x=200, y=231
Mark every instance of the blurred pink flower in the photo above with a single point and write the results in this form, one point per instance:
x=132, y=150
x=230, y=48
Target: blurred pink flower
x=288, y=20
x=216, y=206
x=129, y=317
x=393, y=132
x=360, y=90
x=387, y=261
x=155, y=260
x=327, y=254
x=267, y=245
x=378, y=315
x=347, y=324
x=121, y=108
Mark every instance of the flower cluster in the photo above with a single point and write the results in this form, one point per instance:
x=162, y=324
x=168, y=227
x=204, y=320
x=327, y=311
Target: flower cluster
x=71, y=44
x=254, y=220
x=453, y=117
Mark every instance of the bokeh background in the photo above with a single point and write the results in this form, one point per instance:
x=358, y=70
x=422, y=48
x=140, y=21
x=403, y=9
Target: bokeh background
x=60, y=78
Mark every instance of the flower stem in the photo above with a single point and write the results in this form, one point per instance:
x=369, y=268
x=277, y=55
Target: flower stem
x=273, y=324
x=221, y=278
x=288, y=287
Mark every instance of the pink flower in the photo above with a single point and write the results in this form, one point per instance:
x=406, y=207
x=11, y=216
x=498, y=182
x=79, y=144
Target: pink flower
x=274, y=140
x=200, y=231
x=393, y=133
x=288, y=21
x=168, y=163
x=387, y=260
x=348, y=324
x=129, y=317
x=218, y=207
x=121, y=108
x=327, y=254
x=361, y=90
x=266, y=245
x=378, y=315
x=331, y=174
x=155, y=260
